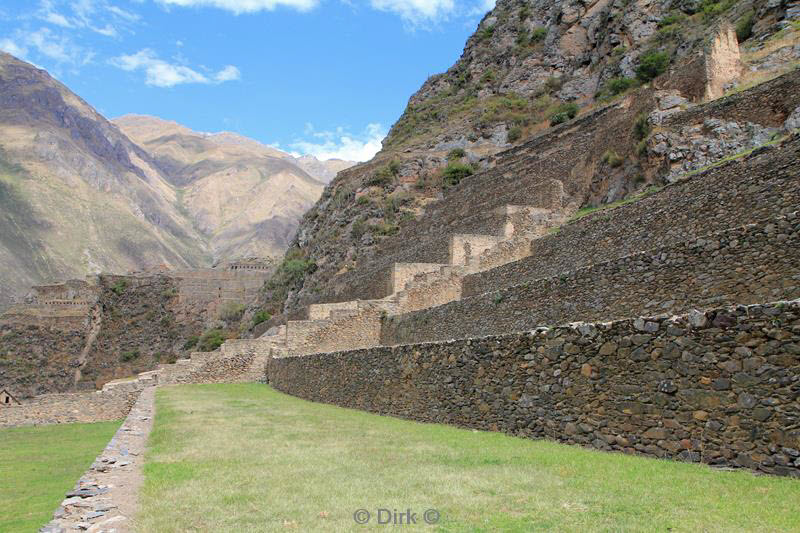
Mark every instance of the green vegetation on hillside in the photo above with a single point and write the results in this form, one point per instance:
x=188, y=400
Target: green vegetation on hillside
x=38, y=465
x=247, y=458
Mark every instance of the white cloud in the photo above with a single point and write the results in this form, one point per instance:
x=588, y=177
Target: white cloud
x=45, y=42
x=340, y=144
x=9, y=46
x=417, y=11
x=160, y=73
x=123, y=14
x=94, y=15
x=57, y=18
x=229, y=73
x=245, y=6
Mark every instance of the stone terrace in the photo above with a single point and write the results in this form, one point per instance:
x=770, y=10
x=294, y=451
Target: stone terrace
x=551, y=171
x=728, y=235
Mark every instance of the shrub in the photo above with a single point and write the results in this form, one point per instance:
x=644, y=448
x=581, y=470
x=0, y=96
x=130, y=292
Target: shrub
x=381, y=178
x=671, y=32
x=362, y=200
x=486, y=33
x=488, y=77
x=296, y=269
x=119, y=287
x=514, y=134
x=393, y=167
x=563, y=113
x=231, y=311
x=612, y=158
x=712, y=8
x=169, y=293
x=129, y=355
x=641, y=148
x=651, y=65
x=673, y=18
x=260, y=316
x=358, y=228
x=384, y=228
x=641, y=128
x=616, y=86
x=456, y=154
x=191, y=342
x=538, y=34
x=455, y=172
x=553, y=84
x=744, y=28
x=211, y=340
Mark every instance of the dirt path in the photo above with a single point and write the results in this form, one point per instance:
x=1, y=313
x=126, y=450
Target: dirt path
x=94, y=331
x=105, y=497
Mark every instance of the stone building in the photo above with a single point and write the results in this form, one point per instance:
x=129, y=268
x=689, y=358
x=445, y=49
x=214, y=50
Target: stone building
x=7, y=399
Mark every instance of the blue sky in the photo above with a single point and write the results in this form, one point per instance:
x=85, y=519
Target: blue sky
x=326, y=77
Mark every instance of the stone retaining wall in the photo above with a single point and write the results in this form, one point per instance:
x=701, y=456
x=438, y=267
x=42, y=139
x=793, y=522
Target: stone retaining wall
x=744, y=191
x=755, y=263
x=720, y=387
x=552, y=170
x=71, y=407
x=769, y=104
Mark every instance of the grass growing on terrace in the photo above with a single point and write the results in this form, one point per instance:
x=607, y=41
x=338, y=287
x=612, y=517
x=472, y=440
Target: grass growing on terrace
x=246, y=458
x=38, y=465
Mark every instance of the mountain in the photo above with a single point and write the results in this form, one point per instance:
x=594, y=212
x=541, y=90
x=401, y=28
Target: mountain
x=323, y=170
x=530, y=66
x=76, y=195
x=245, y=197
x=81, y=195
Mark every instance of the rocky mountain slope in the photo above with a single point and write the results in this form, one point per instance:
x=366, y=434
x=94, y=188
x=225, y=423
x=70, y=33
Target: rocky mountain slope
x=78, y=196
x=532, y=65
x=245, y=197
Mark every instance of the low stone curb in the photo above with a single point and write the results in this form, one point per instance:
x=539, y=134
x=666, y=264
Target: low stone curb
x=104, y=498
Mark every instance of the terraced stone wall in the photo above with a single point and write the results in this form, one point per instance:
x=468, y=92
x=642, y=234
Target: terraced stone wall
x=750, y=190
x=720, y=387
x=756, y=263
x=561, y=167
x=551, y=171
x=769, y=104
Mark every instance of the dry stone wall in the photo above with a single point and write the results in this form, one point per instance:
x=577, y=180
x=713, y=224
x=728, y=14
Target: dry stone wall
x=111, y=403
x=547, y=172
x=768, y=104
x=561, y=168
x=208, y=290
x=756, y=263
x=750, y=190
x=720, y=387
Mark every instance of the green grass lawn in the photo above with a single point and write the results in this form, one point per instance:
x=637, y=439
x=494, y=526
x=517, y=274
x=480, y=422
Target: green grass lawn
x=38, y=465
x=247, y=458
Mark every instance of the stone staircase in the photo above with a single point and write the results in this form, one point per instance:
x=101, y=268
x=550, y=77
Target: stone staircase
x=357, y=323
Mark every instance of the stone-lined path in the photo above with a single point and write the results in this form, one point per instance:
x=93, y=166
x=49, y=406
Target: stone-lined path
x=105, y=497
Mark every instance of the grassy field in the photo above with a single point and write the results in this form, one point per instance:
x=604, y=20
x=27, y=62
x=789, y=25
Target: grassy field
x=247, y=458
x=38, y=465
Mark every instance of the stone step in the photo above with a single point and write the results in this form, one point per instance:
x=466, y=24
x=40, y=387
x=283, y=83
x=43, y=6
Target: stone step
x=403, y=273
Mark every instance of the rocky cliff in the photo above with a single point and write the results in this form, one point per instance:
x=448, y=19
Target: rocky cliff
x=532, y=66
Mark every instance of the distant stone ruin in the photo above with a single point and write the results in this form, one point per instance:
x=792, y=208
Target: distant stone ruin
x=714, y=70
